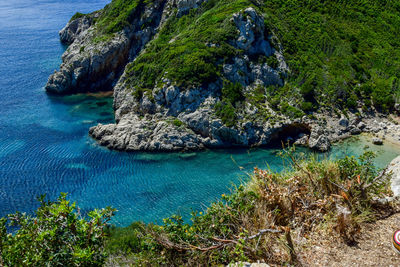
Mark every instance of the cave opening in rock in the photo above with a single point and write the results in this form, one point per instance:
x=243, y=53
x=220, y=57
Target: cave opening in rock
x=288, y=134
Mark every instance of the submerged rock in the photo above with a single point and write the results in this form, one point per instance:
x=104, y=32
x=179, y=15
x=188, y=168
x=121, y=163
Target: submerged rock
x=377, y=141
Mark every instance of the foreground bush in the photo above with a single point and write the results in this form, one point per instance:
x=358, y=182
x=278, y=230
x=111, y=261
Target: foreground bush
x=57, y=236
x=258, y=220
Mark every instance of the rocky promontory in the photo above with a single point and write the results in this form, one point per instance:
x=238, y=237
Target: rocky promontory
x=209, y=90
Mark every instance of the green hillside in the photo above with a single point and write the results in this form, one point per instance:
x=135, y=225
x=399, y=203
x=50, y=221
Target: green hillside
x=338, y=51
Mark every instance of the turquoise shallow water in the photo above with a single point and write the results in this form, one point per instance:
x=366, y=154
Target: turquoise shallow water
x=44, y=147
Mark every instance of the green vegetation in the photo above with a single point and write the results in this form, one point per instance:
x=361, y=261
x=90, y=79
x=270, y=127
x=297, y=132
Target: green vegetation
x=183, y=50
x=253, y=223
x=339, y=52
x=119, y=14
x=232, y=96
x=256, y=220
x=177, y=122
x=347, y=51
x=57, y=236
x=226, y=111
x=77, y=15
x=340, y=55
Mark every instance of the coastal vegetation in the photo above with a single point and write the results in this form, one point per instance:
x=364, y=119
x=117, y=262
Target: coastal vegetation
x=77, y=15
x=261, y=220
x=118, y=14
x=340, y=54
x=182, y=48
x=58, y=235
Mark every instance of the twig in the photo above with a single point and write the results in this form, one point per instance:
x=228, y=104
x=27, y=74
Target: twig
x=293, y=256
x=222, y=242
x=380, y=176
x=300, y=167
x=262, y=232
x=339, y=186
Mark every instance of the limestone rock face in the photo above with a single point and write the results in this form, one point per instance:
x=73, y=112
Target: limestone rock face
x=90, y=65
x=318, y=139
x=172, y=117
x=145, y=134
x=89, y=69
x=193, y=107
x=394, y=170
x=251, y=39
x=75, y=28
x=302, y=140
x=251, y=32
x=344, y=122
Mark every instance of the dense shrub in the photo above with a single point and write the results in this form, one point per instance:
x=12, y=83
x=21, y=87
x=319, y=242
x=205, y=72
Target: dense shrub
x=307, y=106
x=290, y=111
x=56, y=236
x=342, y=45
x=182, y=51
x=226, y=111
x=232, y=92
x=117, y=15
x=177, y=122
x=77, y=15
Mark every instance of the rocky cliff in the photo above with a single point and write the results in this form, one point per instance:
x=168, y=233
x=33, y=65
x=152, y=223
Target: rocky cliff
x=189, y=74
x=173, y=117
x=92, y=63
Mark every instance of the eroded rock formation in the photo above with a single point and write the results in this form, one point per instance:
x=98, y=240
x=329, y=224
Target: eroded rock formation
x=172, y=117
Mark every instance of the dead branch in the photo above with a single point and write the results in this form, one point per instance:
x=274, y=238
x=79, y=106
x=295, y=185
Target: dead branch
x=376, y=179
x=221, y=242
x=293, y=256
x=262, y=232
x=294, y=161
x=339, y=186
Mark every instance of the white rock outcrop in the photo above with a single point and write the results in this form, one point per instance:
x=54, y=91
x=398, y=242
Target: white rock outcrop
x=394, y=170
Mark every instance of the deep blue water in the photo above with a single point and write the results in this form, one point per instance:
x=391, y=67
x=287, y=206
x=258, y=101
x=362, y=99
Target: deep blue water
x=44, y=147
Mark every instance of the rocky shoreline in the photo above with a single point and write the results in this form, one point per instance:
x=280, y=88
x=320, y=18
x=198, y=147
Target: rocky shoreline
x=152, y=133
x=175, y=118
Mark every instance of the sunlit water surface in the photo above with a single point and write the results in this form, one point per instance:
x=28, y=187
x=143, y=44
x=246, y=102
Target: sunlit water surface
x=44, y=147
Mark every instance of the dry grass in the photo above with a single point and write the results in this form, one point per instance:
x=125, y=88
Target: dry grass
x=373, y=247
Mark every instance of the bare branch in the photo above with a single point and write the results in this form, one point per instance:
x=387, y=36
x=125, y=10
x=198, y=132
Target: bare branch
x=376, y=179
